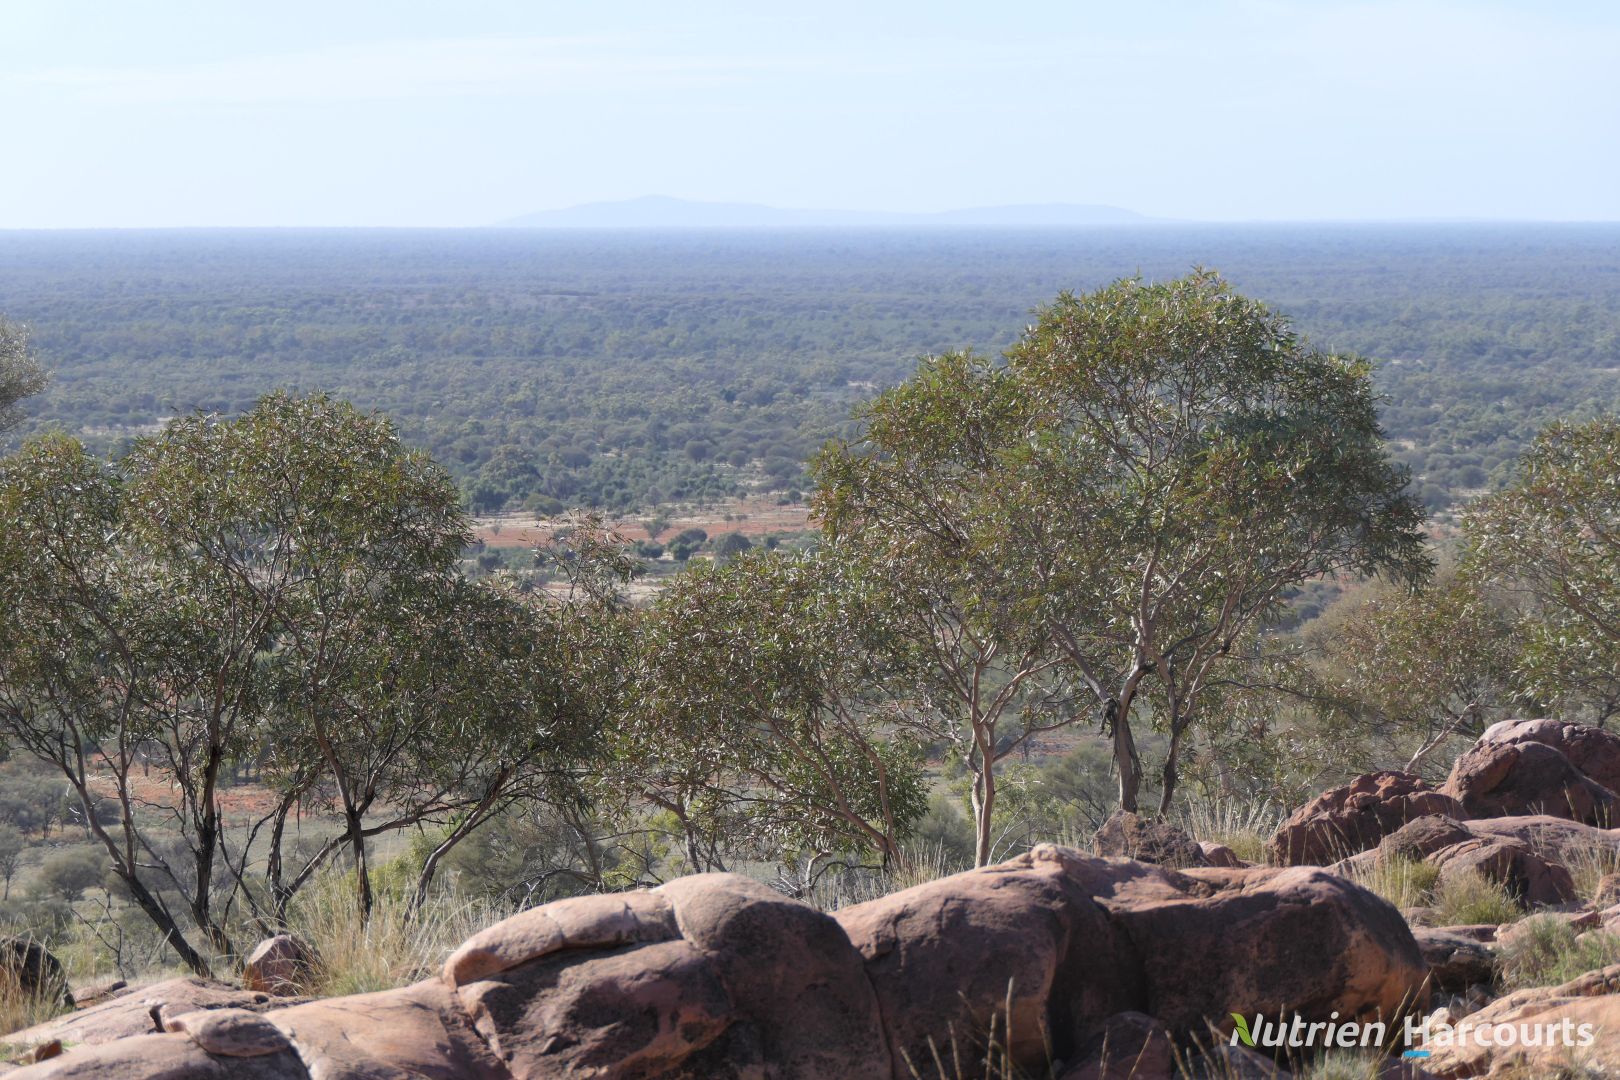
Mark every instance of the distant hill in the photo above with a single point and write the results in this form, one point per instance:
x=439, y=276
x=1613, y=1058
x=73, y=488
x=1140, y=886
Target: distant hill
x=663, y=212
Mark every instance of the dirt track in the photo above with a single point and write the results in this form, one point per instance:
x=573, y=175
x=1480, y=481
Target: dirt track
x=751, y=517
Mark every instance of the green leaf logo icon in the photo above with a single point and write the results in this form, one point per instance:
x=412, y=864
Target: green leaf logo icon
x=1243, y=1030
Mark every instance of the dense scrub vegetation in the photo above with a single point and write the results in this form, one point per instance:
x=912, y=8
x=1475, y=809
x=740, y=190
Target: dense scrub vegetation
x=626, y=370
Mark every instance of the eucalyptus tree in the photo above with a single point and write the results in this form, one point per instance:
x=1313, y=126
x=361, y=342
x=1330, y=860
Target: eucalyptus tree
x=87, y=683
x=1190, y=460
x=20, y=374
x=1134, y=490
x=914, y=510
x=1552, y=540
x=280, y=585
x=1420, y=667
x=764, y=690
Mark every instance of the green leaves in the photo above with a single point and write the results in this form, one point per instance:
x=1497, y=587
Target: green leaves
x=281, y=586
x=1134, y=488
x=20, y=375
x=1552, y=540
x=767, y=680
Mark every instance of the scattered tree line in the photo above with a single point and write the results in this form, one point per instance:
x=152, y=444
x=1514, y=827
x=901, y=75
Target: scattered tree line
x=1101, y=530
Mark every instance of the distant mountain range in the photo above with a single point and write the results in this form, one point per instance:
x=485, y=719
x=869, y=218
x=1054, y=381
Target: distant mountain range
x=663, y=212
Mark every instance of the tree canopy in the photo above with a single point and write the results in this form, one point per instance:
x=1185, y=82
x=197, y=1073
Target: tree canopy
x=1109, y=514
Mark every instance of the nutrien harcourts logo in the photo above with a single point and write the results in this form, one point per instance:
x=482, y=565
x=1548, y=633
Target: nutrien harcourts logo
x=1302, y=1034
x=1421, y=1037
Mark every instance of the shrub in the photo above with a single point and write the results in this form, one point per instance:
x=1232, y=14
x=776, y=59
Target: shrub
x=69, y=872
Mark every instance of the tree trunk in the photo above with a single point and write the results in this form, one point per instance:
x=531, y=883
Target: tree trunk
x=171, y=930
x=362, y=873
x=1172, y=767
x=1126, y=762
x=984, y=805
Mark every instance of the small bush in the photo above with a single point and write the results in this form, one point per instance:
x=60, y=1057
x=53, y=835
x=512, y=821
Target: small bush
x=1468, y=898
x=68, y=873
x=1544, y=950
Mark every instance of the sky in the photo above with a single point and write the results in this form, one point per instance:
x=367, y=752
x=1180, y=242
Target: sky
x=426, y=113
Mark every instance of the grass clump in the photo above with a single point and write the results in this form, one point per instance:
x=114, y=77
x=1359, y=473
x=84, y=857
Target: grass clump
x=1544, y=950
x=1588, y=866
x=23, y=1008
x=1469, y=898
x=1242, y=826
x=391, y=948
x=1344, y=1065
x=1402, y=880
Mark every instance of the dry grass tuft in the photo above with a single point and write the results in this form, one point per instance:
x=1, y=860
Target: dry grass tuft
x=1242, y=826
x=1469, y=898
x=1544, y=950
x=391, y=948
x=1403, y=881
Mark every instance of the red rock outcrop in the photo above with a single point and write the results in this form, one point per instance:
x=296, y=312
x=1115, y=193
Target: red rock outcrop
x=278, y=965
x=1504, y=852
x=1125, y=835
x=719, y=976
x=1539, y=767
x=1345, y=820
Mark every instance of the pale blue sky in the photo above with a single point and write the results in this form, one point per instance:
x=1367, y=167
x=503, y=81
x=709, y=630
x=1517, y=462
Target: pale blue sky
x=163, y=113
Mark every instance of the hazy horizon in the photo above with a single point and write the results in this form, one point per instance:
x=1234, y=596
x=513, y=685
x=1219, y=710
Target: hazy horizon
x=372, y=114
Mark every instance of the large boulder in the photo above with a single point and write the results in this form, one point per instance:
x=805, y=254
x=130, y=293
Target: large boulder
x=1349, y=819
x=1510, y=856
x=28, y=967
x=1265, y=940
x=1538, y=767
x=710, y=975
x=1070, y=940
x=1595, y=752
x=1558, y=839
x=1055, y=955
x=1529, y=877
x=278, y=965
x=1125, y=835
x=1457, y=960
x=1023, y=945
x=1536, y=1033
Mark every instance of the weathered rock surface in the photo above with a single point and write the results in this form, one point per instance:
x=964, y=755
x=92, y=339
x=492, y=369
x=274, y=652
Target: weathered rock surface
x=1130, y=836
x=139, y=1011
x=718, y=976
x=1456, y=960
x=1521, y=854
x=278, y=965
x=1345, y=820
x=1551, y=1018
x=1539, y=767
